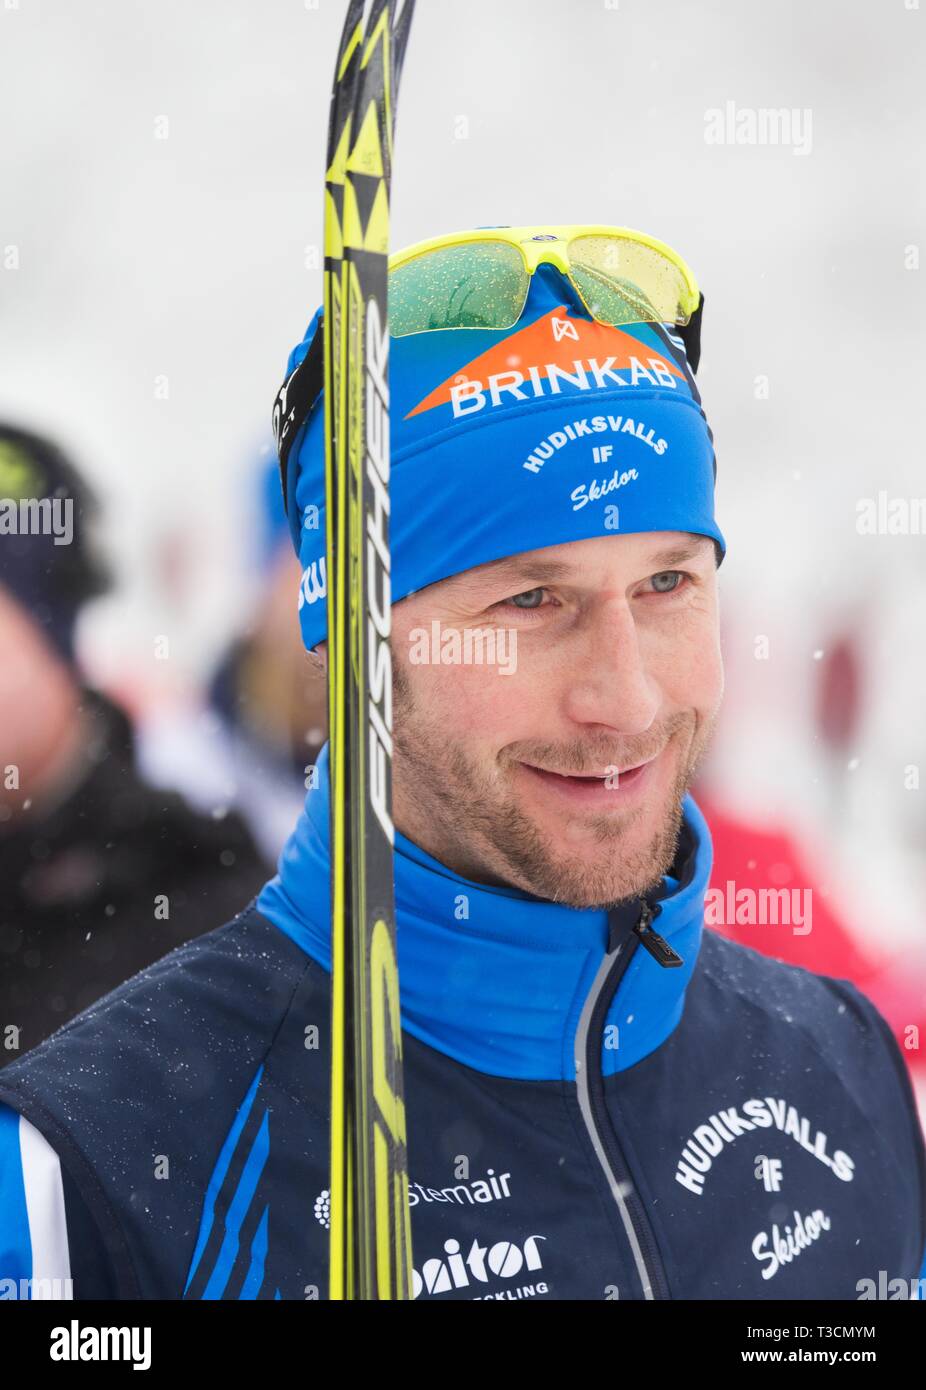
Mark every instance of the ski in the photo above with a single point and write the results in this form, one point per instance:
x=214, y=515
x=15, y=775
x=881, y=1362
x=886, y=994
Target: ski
x=341, y=1235
x=370, y=1236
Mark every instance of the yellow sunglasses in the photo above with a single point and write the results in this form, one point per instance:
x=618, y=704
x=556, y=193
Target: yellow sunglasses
x=481, y=278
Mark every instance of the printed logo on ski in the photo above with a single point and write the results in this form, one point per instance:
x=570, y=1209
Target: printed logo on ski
x=314, y=583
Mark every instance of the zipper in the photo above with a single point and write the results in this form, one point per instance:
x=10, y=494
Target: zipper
x=657, y=945
x=590, y=1087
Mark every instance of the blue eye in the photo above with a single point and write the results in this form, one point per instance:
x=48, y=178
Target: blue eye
x=527, y=594
x=675, y=576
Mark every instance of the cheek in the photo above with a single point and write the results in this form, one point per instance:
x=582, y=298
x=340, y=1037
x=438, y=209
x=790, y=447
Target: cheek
x=475, y=703
x=686, y=663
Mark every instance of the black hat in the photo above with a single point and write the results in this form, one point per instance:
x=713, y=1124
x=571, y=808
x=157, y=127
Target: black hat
x=49, y=561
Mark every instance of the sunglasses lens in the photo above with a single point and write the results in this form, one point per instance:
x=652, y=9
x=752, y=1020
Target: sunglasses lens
x=482, y=284
x=626, y=281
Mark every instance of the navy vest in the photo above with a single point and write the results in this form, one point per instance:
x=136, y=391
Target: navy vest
x=768, y=1148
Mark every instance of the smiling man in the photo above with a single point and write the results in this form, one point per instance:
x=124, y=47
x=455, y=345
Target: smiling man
x=523, y=781
x=566, y=780
x=596, y=1109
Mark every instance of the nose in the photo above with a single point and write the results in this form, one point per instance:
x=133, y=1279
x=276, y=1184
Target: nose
x=609, y=683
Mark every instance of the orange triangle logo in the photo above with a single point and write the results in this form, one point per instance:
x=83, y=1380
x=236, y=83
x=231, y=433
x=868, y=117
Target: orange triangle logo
x=552, y=340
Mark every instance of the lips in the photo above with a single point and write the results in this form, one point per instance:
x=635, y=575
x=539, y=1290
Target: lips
x=587, y=776
x=592, y=789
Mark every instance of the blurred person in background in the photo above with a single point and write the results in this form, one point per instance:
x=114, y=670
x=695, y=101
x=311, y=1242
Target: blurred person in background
x=101, y=874
x=254, y=741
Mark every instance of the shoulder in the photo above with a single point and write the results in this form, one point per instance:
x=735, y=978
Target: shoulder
x=176, y=1040
x=148, y=1079
x=835, y=1023
x=835, y=1007
x=246, y=959
x=834, y=1011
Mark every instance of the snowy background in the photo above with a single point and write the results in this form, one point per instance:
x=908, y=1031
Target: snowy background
x=193, y=260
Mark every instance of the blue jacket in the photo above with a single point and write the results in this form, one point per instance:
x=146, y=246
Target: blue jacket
x=584, y=1122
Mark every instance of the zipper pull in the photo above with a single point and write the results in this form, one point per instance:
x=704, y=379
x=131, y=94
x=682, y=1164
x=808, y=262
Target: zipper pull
x=657, y=945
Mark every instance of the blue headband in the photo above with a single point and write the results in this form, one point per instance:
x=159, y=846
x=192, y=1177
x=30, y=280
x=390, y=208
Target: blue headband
x=558, y=429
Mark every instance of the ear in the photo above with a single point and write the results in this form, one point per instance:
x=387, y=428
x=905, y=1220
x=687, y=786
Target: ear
x=319, y=656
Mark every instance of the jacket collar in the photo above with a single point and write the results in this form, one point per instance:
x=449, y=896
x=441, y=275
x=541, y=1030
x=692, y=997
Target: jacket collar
x=495, y=977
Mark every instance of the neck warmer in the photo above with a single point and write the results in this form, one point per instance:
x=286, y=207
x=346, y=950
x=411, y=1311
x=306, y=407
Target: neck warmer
x=495, y=977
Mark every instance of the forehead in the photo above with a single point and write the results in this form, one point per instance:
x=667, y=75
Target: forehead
x=578, y=560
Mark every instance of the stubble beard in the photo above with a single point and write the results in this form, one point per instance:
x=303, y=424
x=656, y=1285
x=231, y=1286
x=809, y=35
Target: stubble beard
x=471, y=821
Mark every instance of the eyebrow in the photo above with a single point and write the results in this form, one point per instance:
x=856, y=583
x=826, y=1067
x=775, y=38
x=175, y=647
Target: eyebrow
x=524, y=567
x=678, y=554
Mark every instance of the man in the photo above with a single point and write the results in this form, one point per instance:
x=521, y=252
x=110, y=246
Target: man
x=603, y=1101
x=101, y=873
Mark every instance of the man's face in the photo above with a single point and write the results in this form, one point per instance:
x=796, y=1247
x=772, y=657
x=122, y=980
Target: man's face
x=617, y=677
